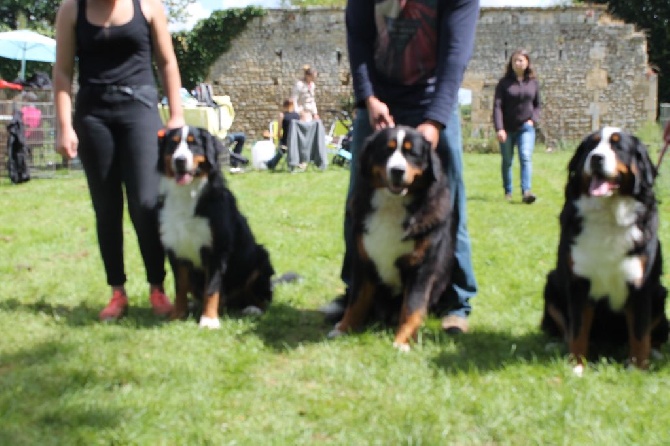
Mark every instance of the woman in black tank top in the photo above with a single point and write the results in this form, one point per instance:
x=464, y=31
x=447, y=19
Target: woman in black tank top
x=115, y=124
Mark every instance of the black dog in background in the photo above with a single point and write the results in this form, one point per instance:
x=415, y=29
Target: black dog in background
x=211, y=248
x=607, y=283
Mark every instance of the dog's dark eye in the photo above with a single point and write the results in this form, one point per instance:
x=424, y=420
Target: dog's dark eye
x=392, y=144
x=596, y=138
x=176, y=138
x=615, y=137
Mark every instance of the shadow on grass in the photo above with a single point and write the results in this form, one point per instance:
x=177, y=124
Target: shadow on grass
x=28, y=377
x=488, y=350
x=286, y=327
x=80, y=315
x=491, y=350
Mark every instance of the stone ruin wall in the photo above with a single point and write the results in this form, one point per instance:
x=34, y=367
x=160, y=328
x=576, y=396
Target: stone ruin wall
x=593, y=69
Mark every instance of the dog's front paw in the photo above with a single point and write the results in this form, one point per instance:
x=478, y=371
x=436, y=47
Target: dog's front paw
x=336, y=332
x=402, y=347
x=212, y=323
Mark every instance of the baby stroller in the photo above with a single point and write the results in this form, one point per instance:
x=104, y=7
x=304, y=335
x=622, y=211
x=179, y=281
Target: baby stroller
x=338, y=139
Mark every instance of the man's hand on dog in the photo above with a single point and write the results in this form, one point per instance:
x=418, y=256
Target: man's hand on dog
x=380, y=117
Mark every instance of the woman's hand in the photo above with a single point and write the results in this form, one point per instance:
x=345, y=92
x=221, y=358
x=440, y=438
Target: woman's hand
x=502, y=135
x=67, y=142
x=175, y=122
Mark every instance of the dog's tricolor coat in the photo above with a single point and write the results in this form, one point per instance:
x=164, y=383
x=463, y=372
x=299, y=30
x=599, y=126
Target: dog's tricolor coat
x=607, y=281
x=212, y=251
x=401, y=226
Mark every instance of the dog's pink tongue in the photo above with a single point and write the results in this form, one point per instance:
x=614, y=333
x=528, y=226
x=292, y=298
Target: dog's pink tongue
x=184, y=179
x=599, y=187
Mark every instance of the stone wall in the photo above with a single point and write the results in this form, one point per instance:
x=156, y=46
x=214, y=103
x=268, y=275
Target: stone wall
x=593, y=69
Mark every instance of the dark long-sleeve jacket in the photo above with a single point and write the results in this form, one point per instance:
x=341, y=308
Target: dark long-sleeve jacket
x=413, y=55
x=516, y=102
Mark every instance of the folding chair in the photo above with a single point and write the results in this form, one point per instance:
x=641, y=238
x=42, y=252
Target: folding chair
x=275, y=131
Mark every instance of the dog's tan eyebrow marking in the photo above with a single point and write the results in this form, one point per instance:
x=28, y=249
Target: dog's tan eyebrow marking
x=392, y=144
x=190, y=138
x=615, y=137
x=407, y=145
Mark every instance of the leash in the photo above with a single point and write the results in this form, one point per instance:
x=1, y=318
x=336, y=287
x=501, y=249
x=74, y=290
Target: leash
x=660, y=157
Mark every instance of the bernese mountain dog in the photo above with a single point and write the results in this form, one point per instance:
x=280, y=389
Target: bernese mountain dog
x=401, y=211
x=211, y=249
x=606, y=287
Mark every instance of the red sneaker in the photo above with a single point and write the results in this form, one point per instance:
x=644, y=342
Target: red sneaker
x=116, y=308
x=160, y=303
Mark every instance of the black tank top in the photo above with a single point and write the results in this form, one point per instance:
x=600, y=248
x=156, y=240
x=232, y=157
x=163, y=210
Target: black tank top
x=118, y=55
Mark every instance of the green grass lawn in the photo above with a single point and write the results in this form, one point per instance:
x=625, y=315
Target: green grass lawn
x=66, y=379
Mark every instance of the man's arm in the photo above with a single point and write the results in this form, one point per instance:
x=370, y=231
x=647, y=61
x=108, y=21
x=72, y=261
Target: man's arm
x=360, y=24
x=458, y=25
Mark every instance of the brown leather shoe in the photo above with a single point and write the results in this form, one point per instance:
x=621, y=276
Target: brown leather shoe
x=453, y=324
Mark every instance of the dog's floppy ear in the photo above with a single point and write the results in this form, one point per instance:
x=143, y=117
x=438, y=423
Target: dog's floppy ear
x=160, y=164
x=646, y=171
x=365, y=159
x=212, y=147
x=576, y=164
x=434, y=161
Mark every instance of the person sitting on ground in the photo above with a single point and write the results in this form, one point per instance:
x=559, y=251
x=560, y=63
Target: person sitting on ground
x=236, y=140
x=287, y=115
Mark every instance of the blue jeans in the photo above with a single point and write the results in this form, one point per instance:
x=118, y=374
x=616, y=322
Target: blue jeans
x=450, y=151
x=524, y=139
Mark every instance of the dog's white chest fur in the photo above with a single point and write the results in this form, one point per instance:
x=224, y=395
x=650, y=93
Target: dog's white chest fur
x=181, y=230
x=383, y=237
x=600, y=251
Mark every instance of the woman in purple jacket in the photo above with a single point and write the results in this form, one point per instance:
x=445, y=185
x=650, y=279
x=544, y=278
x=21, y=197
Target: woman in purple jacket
x=516, y=111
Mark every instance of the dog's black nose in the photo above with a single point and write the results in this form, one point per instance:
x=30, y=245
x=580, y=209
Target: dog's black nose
x=597, y=162
x=180, y=164
x=397, y=175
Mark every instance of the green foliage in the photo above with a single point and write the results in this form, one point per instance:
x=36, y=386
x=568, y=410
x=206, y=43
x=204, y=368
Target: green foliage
x=198, y=49
x=40, y=15
x=178, y=10
x=653, y=16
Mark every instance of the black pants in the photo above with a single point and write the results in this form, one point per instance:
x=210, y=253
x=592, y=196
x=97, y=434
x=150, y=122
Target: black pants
x=118, y=148
x=238, y=139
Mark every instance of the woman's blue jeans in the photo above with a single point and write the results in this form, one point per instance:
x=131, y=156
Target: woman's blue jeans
x=450, y=151
x=524, y=139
